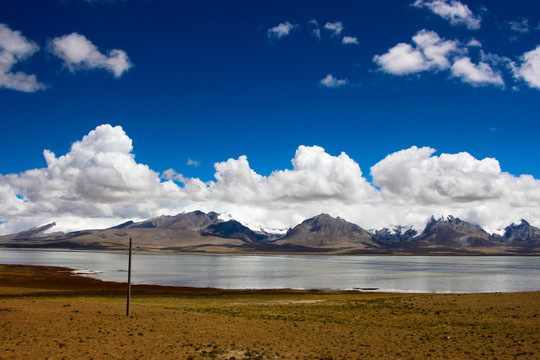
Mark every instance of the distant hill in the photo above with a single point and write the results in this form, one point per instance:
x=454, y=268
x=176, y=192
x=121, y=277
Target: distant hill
x=232, y=229
x=206, y=232
x=452, y=235
x=326, y=232
x=191, y=221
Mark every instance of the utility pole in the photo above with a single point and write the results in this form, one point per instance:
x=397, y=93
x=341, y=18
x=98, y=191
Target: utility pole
x=129, y=280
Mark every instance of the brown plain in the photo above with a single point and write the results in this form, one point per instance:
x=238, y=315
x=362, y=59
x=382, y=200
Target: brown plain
x=48, y=313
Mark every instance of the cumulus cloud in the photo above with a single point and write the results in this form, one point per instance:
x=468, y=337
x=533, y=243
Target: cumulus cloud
x=316, y=175
x=349, y=40
x=331, y=82
x=98, y=183
x=476, y=74
x=336, y=28
x=401, y=59
x=435, y=50
x=97, y=178
x=456, y=183
x=455, y=12
x=529, y=69
x=430, y=53
x=281, y=30
x=78, y=52
x=414, y=175
x=15, y=48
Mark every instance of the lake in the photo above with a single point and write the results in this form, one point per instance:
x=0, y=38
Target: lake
x=425, y=274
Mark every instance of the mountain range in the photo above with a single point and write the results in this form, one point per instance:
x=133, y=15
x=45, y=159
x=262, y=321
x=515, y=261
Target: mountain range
x=205, y=232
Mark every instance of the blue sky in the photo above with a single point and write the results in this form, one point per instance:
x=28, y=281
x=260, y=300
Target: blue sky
x=193, y=84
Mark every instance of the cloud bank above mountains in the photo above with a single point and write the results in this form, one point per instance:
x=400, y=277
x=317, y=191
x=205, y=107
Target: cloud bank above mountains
x=98, y=183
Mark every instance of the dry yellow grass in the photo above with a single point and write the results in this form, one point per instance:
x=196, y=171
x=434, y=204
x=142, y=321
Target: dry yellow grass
x=49, y=314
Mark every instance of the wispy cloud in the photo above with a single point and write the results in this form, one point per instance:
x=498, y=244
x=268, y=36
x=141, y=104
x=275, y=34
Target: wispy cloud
x=281, y=30
x=336, y=28
x=315, y=31
x=522, y=26
x=78, y=53
x=191, y=162
x=331, y=82
x=15, y=48
x=455, y=12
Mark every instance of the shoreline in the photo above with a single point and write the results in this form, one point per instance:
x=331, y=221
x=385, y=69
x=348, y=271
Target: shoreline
x=59, y=276
x=51, y=277
x=413, y=275
x=244, y=251
x=49, y=312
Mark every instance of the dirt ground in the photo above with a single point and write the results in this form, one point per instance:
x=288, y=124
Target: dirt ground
x=47, y=313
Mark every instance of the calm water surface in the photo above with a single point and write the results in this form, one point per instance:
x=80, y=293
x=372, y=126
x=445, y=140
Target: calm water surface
x=429, y=274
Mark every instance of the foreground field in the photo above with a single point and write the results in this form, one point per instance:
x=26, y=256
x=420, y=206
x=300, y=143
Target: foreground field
x=48, y=313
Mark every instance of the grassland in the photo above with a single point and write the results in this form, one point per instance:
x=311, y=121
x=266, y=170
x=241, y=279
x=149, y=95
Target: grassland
x=47, y=313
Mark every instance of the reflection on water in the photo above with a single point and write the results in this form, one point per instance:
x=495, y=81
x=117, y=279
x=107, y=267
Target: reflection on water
x=440, y=274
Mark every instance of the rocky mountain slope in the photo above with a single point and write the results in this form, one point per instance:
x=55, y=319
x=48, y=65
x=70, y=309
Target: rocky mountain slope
x=522, y=233
x=326, y=232
x=206, y=232
x=450, y=235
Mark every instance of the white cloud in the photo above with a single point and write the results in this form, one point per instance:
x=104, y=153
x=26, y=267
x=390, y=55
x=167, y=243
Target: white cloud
x=335, y=28
x=402, y=59
x=331, y=82
x=455, y=12
x=15, y=48
x=97, y=178
x=529, y=70
x=191, y=162
x=474, y=43
x=435, y=50
x=347, y=40
x=315, y=176
x=431, y=53
x=171, y=174
x=281, y=30
x=456, y=184
x=477, y=75
x=414, y=175
x=78, y=52
x=98, y=183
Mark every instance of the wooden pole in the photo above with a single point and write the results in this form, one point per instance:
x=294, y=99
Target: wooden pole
x=129, y=280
